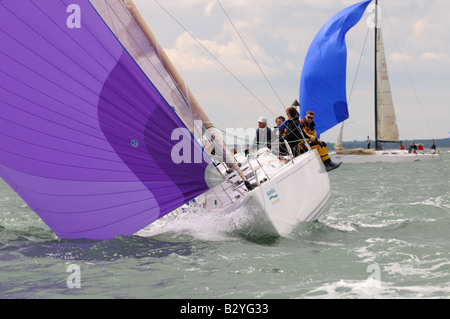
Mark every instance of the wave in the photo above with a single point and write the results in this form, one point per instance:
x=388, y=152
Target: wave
x=221, y=225
x=374, y=289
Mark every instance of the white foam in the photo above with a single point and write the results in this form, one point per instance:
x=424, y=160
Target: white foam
x=373, y=289
x=415, y=267
x=369, y=288
x=212, y=226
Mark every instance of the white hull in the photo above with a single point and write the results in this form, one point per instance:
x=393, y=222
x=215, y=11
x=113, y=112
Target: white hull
x=390, y=156
x=294, y=191
x=298, y=193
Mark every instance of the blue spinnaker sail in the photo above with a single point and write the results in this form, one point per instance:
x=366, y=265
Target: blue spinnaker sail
x=323, y=80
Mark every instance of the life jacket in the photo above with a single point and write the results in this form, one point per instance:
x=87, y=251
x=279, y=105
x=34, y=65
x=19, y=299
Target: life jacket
x=291, y=132
x=309, y=131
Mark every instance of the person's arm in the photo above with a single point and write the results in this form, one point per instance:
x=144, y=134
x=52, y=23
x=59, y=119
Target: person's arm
x=311, y=136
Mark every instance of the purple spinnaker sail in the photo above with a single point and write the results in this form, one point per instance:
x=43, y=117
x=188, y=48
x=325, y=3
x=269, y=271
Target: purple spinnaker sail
x=85, y=138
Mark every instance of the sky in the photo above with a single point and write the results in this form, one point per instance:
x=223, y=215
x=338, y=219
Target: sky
x=237, y=91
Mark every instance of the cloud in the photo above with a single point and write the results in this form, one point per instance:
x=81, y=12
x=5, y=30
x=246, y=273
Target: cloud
x=279, y=33
x=209, y=7
x=399, y=57
x=439, y=57
x=424, y=28
x=189, y=56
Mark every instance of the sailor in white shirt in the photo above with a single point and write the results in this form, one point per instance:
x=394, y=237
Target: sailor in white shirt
x=263, y=135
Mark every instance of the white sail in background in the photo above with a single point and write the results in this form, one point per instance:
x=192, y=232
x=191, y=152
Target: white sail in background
x=386, y=128
x=387, y=121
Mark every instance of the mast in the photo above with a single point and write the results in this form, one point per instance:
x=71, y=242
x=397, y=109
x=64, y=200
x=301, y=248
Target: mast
x=376, y=75
x=386, y=128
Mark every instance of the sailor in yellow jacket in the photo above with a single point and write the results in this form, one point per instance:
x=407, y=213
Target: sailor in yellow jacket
x=307, y=125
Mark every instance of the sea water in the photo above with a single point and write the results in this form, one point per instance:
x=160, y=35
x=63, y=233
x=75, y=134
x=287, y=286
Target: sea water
x=384, y=234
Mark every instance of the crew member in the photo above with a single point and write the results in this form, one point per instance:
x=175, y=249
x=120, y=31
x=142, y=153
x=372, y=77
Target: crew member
x=307, y=126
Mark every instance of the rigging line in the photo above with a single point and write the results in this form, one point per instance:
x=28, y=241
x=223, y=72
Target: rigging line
x=253, y=57
x=359, y=66
x=407, y=72
x=249, y=140
x=355, y=126
x=349, y=120
x=214, y=57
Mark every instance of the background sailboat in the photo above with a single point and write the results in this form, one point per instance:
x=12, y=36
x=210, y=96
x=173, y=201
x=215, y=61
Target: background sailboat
x=98, y=132
x=333, y=109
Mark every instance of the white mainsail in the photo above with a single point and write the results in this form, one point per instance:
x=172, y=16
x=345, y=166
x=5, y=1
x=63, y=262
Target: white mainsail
x=386, y=120
x=386, y=128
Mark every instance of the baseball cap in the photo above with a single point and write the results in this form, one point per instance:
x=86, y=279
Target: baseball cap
x=262, y=119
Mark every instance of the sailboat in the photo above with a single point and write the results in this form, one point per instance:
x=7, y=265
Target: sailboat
x=333, y=109
x=100, y=136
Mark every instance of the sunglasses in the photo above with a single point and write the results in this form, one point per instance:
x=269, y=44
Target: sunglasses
x=310, y=118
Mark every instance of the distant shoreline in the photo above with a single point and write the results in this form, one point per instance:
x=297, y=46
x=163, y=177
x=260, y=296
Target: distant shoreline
x=440, y=143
